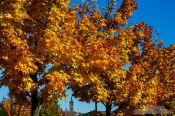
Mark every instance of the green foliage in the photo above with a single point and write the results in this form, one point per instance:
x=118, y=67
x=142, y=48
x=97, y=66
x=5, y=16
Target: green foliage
x=51, y=108
x=2, y=113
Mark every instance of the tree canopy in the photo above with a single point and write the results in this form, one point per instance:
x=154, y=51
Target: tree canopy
x=95, y=53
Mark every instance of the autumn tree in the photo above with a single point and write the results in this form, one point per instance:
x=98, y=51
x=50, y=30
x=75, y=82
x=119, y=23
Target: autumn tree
x=109, y=48
x=33, y=35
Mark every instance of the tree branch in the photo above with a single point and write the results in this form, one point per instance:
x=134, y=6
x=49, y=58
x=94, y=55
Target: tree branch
x=122, y=105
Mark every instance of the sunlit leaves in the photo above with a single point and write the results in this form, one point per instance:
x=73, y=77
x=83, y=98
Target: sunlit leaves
x=125, y=11
x=32, y=37
x=97, y=55
x=56, y=83
x=107, y=46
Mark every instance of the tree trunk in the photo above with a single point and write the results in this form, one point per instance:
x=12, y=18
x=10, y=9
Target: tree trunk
x=96, y=108
x=34, y=95
x=34, y=99
x=37, y=111
x=108, y=109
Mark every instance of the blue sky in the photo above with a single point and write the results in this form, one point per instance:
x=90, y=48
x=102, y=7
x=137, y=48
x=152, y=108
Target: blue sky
x=159, y=14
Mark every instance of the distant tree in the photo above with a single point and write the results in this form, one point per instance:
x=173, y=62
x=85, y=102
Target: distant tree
x=11, y=108
x=51, y=108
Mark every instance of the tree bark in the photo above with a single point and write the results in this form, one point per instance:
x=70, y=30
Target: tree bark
x=34, y=95
x=108, y=109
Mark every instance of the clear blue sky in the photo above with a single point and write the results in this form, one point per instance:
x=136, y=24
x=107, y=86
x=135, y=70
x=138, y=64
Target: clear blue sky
x=160, y=14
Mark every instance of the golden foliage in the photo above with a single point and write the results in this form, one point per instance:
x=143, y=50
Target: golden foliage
x=14, y=109
x=86, y=50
